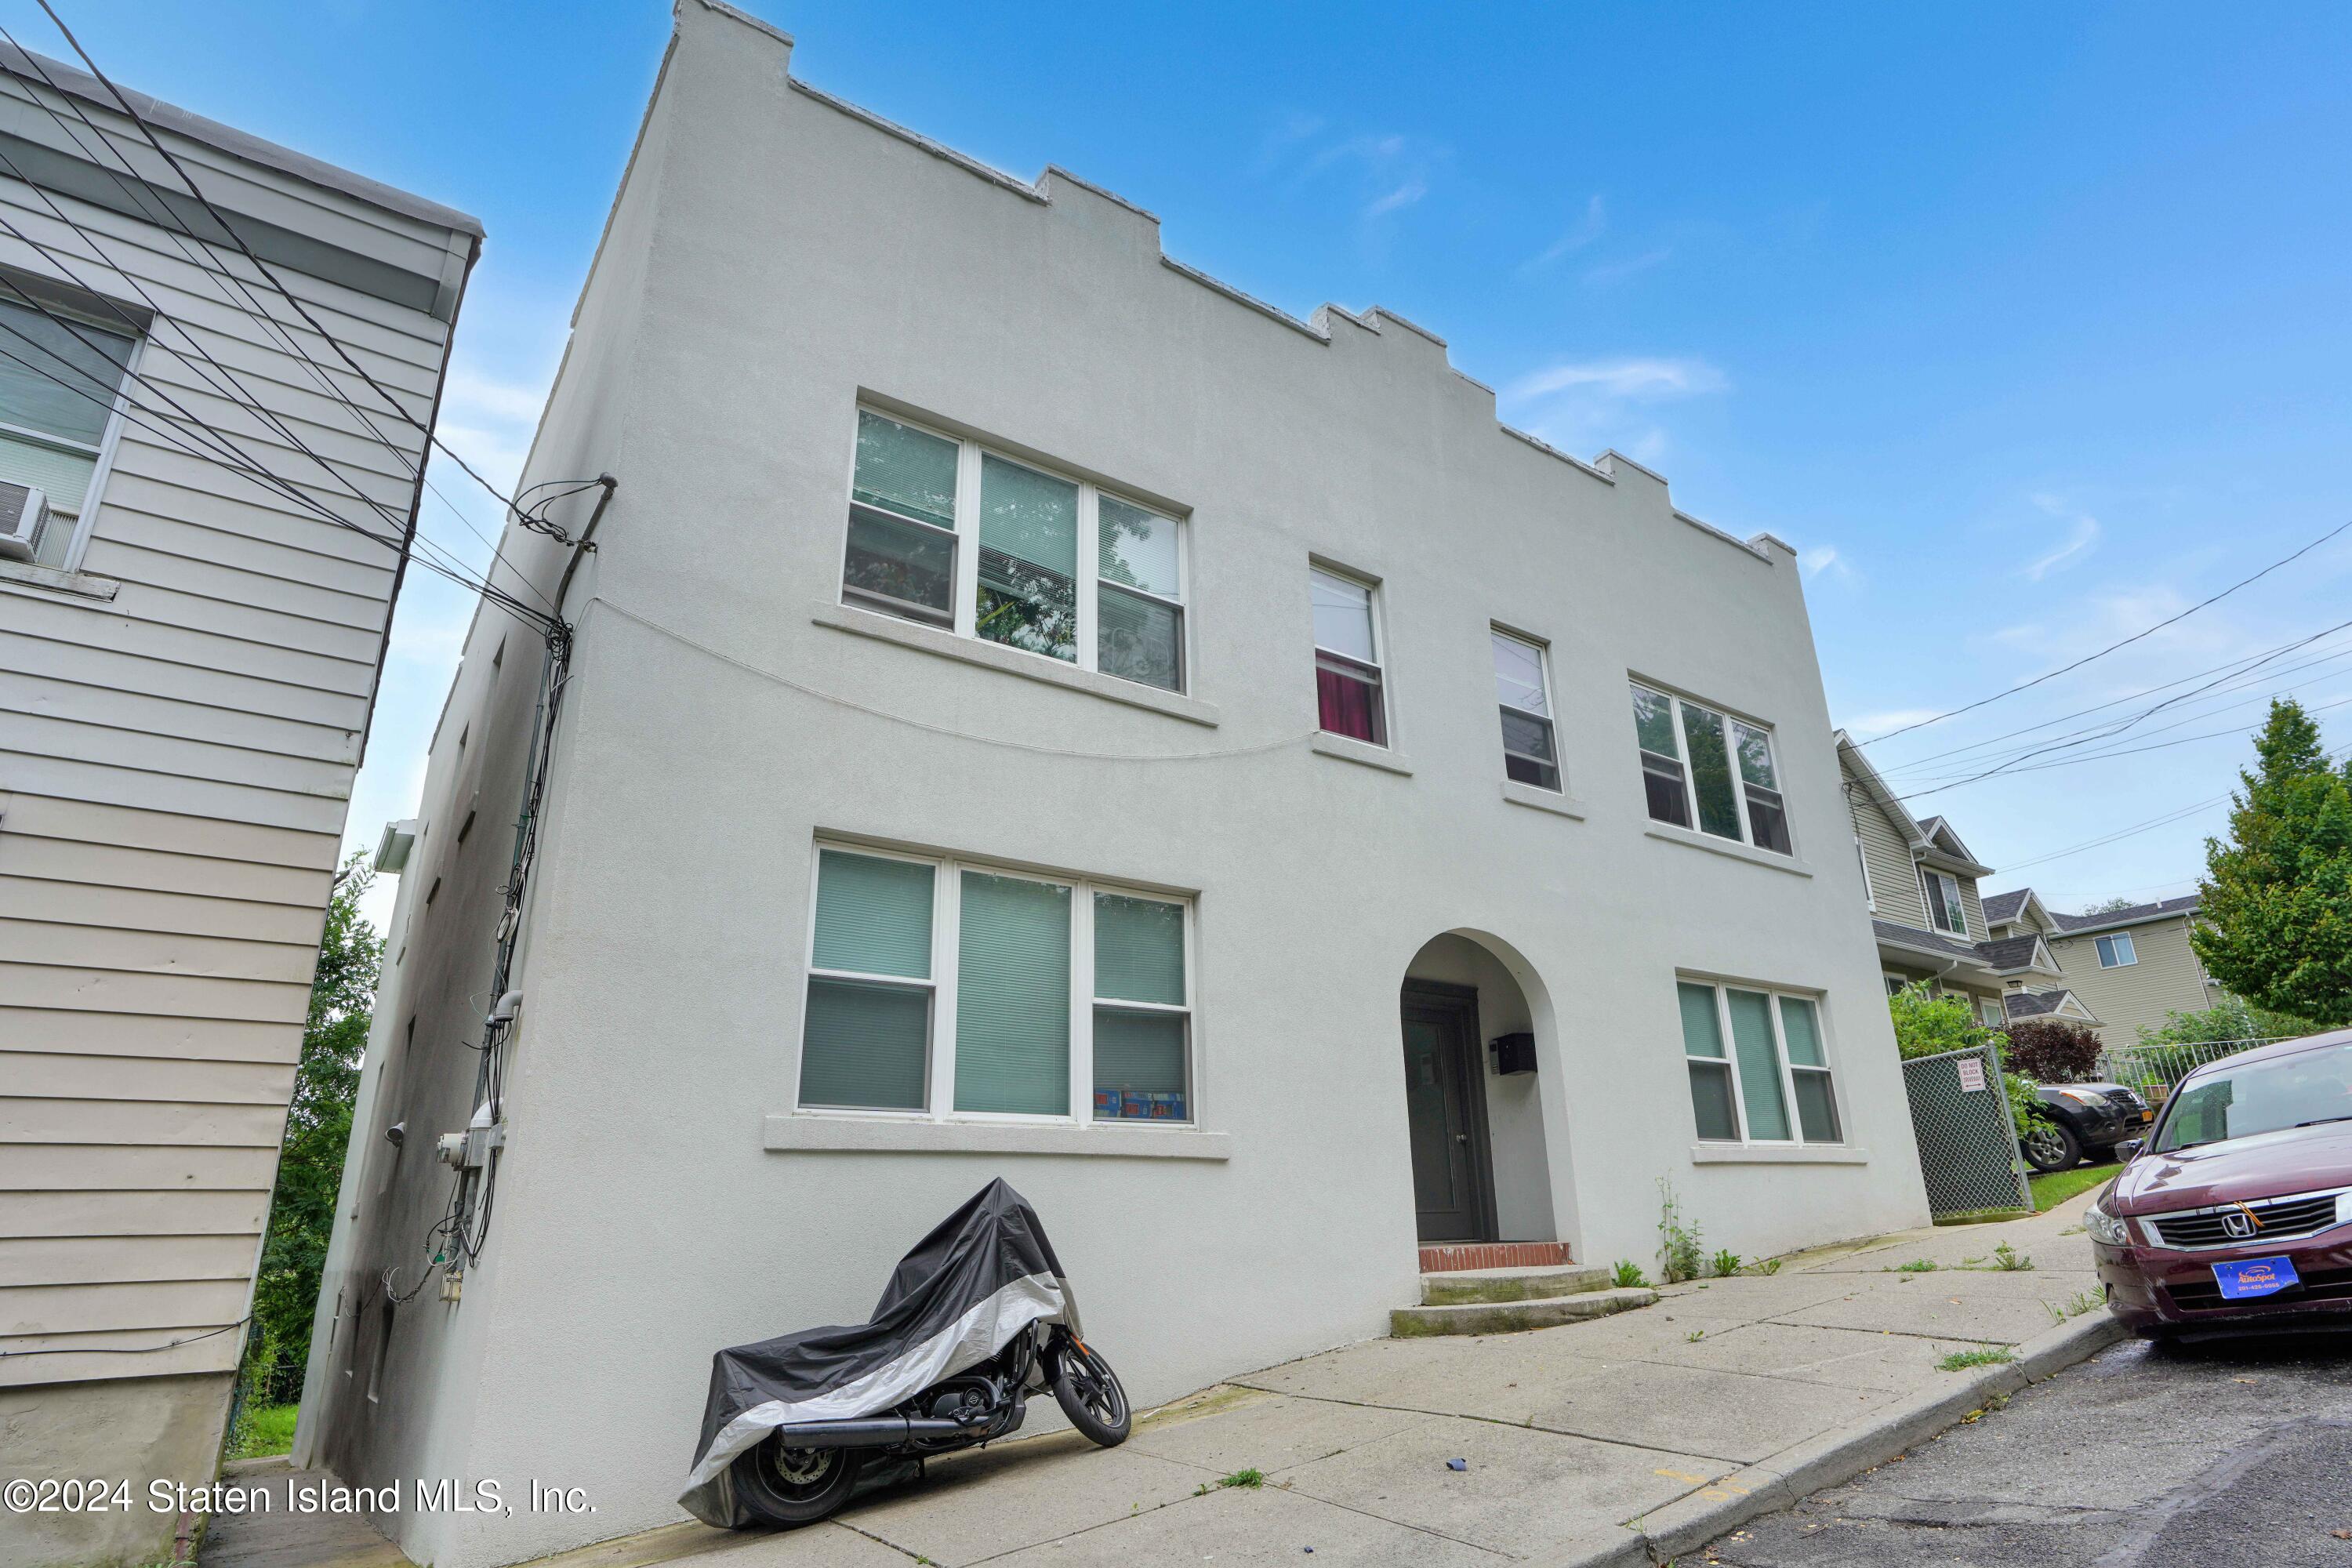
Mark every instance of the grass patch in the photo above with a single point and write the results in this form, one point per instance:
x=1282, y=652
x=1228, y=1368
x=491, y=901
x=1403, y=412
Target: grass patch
x=1251, y=1479
x=1961, y=1361
x=268, y=1430
x=2054, y=1187
x=1628, y=1275
x=1916, y=1266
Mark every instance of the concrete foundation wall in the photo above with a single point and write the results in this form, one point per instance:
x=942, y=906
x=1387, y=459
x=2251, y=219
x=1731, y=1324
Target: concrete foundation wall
x=136, y=1429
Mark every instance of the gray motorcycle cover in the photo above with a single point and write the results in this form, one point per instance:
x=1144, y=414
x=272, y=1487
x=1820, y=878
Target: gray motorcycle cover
x=983, y=1276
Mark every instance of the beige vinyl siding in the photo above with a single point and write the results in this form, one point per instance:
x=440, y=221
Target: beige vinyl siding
x=1894, y=877
x=2167, y=979
x=175, y=768
x=1972, y=906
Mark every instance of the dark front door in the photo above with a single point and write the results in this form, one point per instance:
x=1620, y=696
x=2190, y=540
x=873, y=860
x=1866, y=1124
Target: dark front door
x=1445, y=1096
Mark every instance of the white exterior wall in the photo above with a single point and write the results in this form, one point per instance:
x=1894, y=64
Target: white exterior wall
x=773, y=257
x=180, y=720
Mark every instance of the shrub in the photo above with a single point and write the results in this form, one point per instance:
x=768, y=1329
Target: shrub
x=2053, y=1050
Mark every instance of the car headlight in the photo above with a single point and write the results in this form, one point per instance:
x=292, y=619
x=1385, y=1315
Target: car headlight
x=2084, y=1097
x=2105, y=1227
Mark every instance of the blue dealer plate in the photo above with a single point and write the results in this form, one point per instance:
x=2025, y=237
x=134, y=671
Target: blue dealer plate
x=2254, y=1277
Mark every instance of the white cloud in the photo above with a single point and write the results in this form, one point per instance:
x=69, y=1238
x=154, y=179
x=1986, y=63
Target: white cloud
x=1828, y=559
x=2080, y=540
x=1628, y=380
x=1587, y=229
x=1864, y=726
x=1404, y=195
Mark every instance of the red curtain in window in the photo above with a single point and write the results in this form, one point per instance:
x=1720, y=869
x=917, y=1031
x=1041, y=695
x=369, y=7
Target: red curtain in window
x=1349, y=704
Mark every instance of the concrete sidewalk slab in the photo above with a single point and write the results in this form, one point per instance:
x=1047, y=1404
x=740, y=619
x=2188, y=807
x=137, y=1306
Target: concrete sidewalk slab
x=1843, y=1358
x=1525, y=1493
x=986, y=1502
x=1934, y=1308
x=1260, y=1525
x=1728, y=1416
x=1269, y=1432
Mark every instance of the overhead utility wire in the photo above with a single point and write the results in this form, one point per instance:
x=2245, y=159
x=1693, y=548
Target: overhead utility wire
x=169, y=224
x=2120, y=727
x=2111, y=648
x=2240, y=664
x=262, y=267
x=2137, y=829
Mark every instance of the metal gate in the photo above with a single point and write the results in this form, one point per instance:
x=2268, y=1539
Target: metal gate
x=1967, y=1138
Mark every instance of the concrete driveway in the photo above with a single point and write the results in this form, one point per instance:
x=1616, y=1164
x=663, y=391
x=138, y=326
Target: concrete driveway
x=1605, y=1441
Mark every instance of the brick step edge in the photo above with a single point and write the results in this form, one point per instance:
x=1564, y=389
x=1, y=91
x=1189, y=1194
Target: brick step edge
x=1494, y=1254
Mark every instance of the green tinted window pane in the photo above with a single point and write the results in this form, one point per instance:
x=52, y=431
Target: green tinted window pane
x=1816, y=1107
x=910, y=566
x=905, y=469
x=1137, y=548
x=873, y=916
x=1759, y=1065
x=1800, y=1028
x=1710, y=1084
x=1029, y=516
x=62, y=382
x=1139, y=639
x=864, y=1045
x=1702, y=1030
x=1138, y=1053
x=1012, y=996
x=1710, y=761
x=1139, y=948
x=1026, y=607
x=1755, y=748
x=1653, y=723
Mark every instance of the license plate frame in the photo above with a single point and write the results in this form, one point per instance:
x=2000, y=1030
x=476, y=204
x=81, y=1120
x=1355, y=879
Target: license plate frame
x=2252, y=1279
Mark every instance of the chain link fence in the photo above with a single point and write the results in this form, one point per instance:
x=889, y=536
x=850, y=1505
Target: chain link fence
x=1967, y=1138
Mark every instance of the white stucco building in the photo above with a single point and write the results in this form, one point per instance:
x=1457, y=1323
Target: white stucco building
x=1037, y=711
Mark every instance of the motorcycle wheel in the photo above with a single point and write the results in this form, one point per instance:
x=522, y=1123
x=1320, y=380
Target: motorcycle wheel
x=793, y=1485
x=2050, y=1147
x=1091, y=1395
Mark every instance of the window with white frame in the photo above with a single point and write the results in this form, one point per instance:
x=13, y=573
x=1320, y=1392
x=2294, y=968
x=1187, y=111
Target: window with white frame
x=1523, y=692
x=1944, y=906
x=2116, y=951
x=945, y=532
x=1752, y=1055
x=59, y=379
x=940, y=988
x=1349, y=693
x=1995, y=1015
x=1704, y=769
x=1895, y=983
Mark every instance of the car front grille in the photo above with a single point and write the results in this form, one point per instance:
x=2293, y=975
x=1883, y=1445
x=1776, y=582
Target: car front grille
x=2319, y=1285
x=2281, y=1219
x=2125, y=1099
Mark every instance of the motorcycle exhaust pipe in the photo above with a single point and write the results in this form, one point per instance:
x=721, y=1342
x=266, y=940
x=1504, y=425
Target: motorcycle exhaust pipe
x=868, y=1432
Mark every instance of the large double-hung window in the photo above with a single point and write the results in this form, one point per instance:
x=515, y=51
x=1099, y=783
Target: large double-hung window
x=58, y=381
x=945, y=532
x=1753, y=1055
x=940, y=988
x=1705, y=769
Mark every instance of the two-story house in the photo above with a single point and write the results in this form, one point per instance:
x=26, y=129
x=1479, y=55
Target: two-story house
x=205, y=508
x=2126, y=970
x=1037, y=711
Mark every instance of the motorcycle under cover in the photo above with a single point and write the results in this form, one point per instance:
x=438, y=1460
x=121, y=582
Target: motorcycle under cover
x=983, y=1276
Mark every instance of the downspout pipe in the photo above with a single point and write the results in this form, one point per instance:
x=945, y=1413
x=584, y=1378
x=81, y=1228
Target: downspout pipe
x=587, y=535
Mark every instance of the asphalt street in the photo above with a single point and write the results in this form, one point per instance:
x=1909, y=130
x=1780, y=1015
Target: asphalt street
x=2235, y=1452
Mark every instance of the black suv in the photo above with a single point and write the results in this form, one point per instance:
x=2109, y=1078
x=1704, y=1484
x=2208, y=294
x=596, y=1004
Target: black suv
x=2086, y=1118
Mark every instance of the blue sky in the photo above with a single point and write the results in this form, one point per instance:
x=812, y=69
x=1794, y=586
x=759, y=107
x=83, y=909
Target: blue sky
x=2027, y=324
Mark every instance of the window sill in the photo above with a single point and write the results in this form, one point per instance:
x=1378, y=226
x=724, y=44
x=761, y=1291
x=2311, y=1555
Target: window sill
x=1349, y=750
x=1554, y=800
x=857, y=1134
x=79, y=583
x=1669, y=833
x=1013, y=661
x=1778, y=1154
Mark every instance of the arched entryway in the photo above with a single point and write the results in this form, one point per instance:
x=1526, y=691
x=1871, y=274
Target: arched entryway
x=1478, y=1032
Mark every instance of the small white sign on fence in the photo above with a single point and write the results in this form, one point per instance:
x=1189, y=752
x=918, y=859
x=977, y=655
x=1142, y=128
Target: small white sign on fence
x=1972, y=1079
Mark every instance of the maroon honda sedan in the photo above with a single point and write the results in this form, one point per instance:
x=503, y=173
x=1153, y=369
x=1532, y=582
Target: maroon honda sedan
x=2237, y=1212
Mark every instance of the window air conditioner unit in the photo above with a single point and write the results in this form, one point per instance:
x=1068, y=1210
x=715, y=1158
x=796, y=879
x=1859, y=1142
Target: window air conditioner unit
x=23, y=512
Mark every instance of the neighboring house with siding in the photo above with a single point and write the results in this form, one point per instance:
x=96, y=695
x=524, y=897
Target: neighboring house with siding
x=1922, y=887
x=1039, y=712
x=2129, y=969
x=187, y=662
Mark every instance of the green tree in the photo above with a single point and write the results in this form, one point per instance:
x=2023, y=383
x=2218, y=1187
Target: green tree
x=318, y=1130
x=2276, y=901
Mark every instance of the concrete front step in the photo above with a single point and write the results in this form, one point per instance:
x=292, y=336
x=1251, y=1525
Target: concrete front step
x=1456, y=1286
x=1513, y=1317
